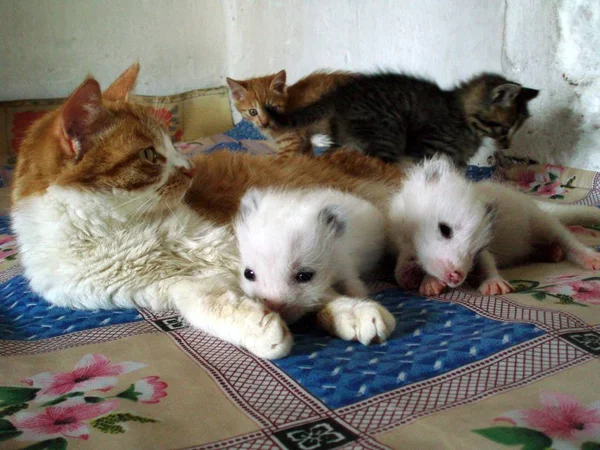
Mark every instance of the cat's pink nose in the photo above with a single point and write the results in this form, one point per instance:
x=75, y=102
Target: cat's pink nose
x=455, y=277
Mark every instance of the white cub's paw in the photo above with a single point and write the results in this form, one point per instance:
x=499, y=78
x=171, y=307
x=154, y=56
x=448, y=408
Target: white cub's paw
x=265, y=332
x=495, y=286
x=431, y=286
x=354, y=319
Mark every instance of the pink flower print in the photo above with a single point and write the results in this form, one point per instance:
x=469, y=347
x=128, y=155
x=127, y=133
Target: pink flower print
x=563, y=278
x=561, y=417
x=578, y=229
x=587, y=291
x=65, y=419
x=92, y=373
x=528, y=177
x=555, y=170
x=550, y=189
x=8, y=247
x=150, y=389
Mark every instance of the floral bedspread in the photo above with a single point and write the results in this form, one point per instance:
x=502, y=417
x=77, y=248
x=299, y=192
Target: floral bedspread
x=461, y=371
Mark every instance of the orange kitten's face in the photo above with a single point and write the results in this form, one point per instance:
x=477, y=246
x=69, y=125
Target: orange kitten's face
x=101, y=143
x=252, y=96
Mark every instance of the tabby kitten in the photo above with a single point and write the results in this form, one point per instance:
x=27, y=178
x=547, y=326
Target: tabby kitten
x=253, y=97
x=108, y=214
x=390, y=115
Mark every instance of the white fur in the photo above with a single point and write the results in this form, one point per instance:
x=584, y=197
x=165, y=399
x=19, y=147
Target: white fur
x=494, y=224
x=487, y=155
x=120, y=249
x=334, y=235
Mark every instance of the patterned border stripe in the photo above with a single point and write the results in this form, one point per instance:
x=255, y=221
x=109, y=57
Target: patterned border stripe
x=510, y=369
x=501, y=308
x=324, y=434
x=586, y=340
x=250, y=382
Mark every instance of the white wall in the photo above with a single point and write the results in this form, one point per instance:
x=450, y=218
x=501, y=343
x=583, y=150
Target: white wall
x=47, y=48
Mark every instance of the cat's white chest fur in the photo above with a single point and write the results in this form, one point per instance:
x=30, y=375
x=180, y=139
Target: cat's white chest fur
x=94, y=250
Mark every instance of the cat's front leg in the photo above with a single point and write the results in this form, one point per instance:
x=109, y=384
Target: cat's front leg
x=233, y=318
x=356, y=319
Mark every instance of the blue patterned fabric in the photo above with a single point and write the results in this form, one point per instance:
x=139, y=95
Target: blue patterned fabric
x=479, y=173
x=431, y=338
x=26, y=316
x=244, y=130
x=5, y=225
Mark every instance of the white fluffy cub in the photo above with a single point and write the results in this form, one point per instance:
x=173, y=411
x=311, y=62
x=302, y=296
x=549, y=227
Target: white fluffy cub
x=300, y=249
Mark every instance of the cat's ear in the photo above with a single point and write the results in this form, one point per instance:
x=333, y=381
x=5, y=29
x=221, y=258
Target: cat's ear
x=435, y=168
x=250, y=202
x=120, y=88
x=332, y=217
x=278, y=82
x=529, y=94
x=505, y=94
x=79, y=118
x=238, y=92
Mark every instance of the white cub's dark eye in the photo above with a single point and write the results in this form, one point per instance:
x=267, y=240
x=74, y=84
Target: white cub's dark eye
x=304, y=276
x=252, y=112
x=445, y=230
x=249, y=275
x=149, y=154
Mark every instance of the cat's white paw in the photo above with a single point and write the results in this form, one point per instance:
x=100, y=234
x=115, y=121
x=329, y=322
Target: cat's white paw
x=265, y=332
x=356, y=319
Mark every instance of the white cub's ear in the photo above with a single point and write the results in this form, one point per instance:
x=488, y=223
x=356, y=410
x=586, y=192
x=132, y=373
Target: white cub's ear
x=435, y=168
x=333, y=218
x=250, y=201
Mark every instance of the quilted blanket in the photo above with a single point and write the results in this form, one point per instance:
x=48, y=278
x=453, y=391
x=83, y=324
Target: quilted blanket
x=460, y=371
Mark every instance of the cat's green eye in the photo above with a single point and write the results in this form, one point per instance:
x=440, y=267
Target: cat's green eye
x=252, y=112
x=149, y=154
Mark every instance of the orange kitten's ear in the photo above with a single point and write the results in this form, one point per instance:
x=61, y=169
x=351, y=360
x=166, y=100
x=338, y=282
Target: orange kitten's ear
x=278, y=82
x=238, y=92
x=120, y=88
x=79, y=118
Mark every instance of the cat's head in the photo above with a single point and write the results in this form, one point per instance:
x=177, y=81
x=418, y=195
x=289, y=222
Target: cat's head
x=252, y=97
x=100, y=142
x=286, y=254
x=496, y=107
x=449, y=219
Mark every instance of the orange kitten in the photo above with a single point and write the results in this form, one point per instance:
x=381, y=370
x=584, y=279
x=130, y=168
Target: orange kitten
x=252, y=96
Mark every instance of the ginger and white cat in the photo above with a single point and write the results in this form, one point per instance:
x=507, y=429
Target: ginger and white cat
x=252, y=98
x=101, y=220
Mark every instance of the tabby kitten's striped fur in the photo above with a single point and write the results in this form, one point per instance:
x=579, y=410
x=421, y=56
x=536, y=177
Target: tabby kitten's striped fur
x=390, y=115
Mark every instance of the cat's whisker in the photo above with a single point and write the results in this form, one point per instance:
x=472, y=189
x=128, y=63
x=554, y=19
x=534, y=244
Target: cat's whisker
x=173, y=214
x=127, y=202
x=141, y=210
